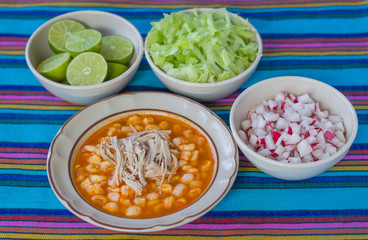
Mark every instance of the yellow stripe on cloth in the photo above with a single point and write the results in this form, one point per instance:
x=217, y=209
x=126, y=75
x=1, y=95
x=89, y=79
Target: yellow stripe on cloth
x=23, y=167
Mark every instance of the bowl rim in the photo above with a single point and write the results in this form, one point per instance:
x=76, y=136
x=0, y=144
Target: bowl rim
x=220, y=83
x=46, y=24
x=234, y=156
x=248, y=150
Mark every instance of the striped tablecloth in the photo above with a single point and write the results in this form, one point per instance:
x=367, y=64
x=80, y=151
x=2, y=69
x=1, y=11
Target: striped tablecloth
x=322, y=39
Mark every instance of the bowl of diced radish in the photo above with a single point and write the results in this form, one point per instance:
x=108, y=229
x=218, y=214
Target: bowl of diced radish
x=293, y=128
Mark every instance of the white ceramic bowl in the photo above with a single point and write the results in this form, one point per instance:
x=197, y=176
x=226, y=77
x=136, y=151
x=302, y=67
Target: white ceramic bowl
x=38, y=49
x=328, y=98
x=79, y=126
x=207, y=91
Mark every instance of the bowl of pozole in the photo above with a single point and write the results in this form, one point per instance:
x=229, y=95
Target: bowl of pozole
x=139, y=167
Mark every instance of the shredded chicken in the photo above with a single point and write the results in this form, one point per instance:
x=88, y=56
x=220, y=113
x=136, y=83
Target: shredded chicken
x=142, y=155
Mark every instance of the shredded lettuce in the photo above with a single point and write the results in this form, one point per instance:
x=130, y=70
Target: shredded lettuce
x=202, y=46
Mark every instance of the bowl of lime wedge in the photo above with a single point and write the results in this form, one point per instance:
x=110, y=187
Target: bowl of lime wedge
x=84, y=56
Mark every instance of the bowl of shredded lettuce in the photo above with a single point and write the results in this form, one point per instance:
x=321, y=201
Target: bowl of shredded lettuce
x=205, y=54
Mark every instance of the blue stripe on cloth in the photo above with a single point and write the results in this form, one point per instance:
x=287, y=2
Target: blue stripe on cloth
x=292, y=199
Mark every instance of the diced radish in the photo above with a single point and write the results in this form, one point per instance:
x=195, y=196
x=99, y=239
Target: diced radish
x=260, y=109
x=260, y=132
x=318, y=153
x=279, y=140
x=308, y=158
x=269, y=142
x=335, y=118
x=292, y=129
x=328, y=134
x=275, y=136
x=279, y=150
x=340, y=127
x=272, y=104
x=305, y=98
x=263, y=143
x=304, y=148
x=280, y=97
x=291, y=115
x=281, y=124
x=264, y=152
x=243, y=136
x=245, y=124
x=331, y=150
x=340, y=136
x=253, y=140
x=295, y=160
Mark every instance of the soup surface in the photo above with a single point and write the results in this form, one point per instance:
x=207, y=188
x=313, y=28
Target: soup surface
x=143, y=166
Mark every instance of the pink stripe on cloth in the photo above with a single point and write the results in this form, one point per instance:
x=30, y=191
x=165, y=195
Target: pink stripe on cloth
x=308, y=45
x=347, y=157
x=357, y=97
x=276, y=226
x=10, y=97
x=225, y=100
x=12, y=43
x=46, y=224
x=23, y=155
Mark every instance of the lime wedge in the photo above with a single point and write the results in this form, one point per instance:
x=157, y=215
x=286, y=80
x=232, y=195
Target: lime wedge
x=60, y=31
x=88, y=40
x=114, y=70
x=64, y=81
x=87, y=69
x=54, y=67
x=117, y=49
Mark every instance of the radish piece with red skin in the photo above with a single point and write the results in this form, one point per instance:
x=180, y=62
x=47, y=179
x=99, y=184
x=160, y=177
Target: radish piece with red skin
x=275, y=136
x=328, y=134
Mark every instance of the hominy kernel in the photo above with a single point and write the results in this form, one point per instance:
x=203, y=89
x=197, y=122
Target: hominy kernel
x=152, y=196
x=179, y=190
x=133, y=211
x=111, y=207
x=126, y=129
x=86, y=183
x=194, y=192
x=152, y=126
x=181, y=201
x=91, y=168
x=90, y=148
x=140, y=201
x=154, y=202
x=164, y=125
x=206, y=166
x=177, y=129
x=187, y=147
x=187, y=178
x=169, y=201
x=166, y=187
x=114, y=197
x=125, y=202
x=95, y=159
x=186, y=167
x=193, y=170
x=196, y=184
x=139, y=128
x=148, y=120
x=117, y=125
x=99, y=199
x=194, y=156
x=111, y=131
x=127, y=191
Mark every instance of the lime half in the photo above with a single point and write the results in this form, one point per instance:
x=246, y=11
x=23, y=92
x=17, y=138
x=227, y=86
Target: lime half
x=55, y=67
x=87, y=69
x=114, y=70
x=117, y=49
x=59, y=33
x=88, y=40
